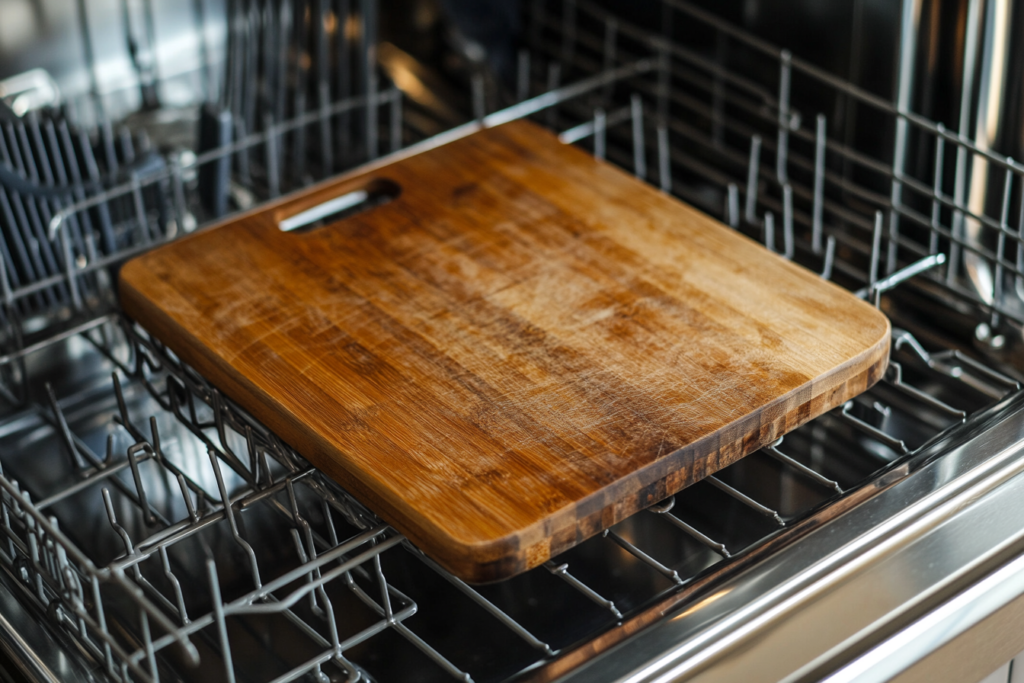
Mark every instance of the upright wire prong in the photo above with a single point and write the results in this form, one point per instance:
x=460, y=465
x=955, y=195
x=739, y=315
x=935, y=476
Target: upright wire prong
x=940, y=148
x=664, y=159
x=754, y=162
x=1004, y=227
x=788, y=246
x=819, y=184
x=830, y=257
x=218, y=616
x=732, y=205
x=600, y=123
x=636, y=109
x=876, y=248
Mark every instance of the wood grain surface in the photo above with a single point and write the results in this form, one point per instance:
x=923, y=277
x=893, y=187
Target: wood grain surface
x=522, y=349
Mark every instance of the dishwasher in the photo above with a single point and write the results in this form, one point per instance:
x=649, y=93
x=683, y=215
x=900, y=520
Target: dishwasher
x=154, y=531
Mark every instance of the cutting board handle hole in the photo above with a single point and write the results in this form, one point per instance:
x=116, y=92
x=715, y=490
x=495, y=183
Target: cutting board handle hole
x=377, y=192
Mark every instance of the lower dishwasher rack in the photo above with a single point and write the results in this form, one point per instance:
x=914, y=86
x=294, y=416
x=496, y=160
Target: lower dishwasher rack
x=154, y=531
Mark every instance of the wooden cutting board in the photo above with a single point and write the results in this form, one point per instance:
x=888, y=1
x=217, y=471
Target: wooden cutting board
x=523, y=348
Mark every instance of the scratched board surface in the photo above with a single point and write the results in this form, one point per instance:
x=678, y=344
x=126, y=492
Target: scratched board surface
x=521, y=349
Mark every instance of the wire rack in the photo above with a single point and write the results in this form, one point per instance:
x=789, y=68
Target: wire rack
x=164, y=534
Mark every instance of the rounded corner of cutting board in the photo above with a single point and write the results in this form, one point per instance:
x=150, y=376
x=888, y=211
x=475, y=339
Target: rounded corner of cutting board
x=876, y=355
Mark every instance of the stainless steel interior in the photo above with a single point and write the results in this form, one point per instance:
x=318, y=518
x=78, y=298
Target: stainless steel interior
x=154, y=531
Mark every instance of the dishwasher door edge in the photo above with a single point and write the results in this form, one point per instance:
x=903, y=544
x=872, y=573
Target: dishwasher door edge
x=937, y=523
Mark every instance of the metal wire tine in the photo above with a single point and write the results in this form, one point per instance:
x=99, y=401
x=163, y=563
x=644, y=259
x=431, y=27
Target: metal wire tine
x=5, y=284
x=140, y=208
x=876, y=249
x=332, y=625
x=442, y=661
x=732, y=205
x=940, y=362
x=67, y=440
x=874, y=432
x=122, y=409
x=147, y=643
x=936, y=225
x=664, y=160
x=785, y=73
x=901, y=276
x=476, y=83
x=562, y=571
x=600, y=123
x=753, y=166
x=668, y=572
x=69, y=270
x=101, y=620
x=745, y=499
x=273, y=160
x=830, y=257
x=894, y=376
x=787, y=222
x=181, y=213
x=129, y=547
x=155, y=440
x=93, y=172
x=639, y=148
x=479, y=599
x=254, y=466
x=6, y=506
x=817, y=213
x=308, y=552
x=220, y=409
x=268, y=475
x=33, y=550
x=218, y=617
x=189, y=505
x=803, y=469
x=1004, y=227
x=147, y=511
x=382, y=584
x=229, y=512
x=1019, y=280
x=522, y=75
x=769, y=231
x=310, y=576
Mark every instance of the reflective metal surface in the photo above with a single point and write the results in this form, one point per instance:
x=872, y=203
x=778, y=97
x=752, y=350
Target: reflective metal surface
x=934, y=524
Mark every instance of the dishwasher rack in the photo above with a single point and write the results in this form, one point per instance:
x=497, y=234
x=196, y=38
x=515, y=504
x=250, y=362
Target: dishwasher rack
x=163, y=534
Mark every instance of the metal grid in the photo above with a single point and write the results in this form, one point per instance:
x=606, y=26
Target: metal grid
x=284, y=554
x=727, y=114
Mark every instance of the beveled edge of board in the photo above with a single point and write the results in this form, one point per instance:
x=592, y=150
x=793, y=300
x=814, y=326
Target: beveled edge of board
x=504, y=557
x=661, y=478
